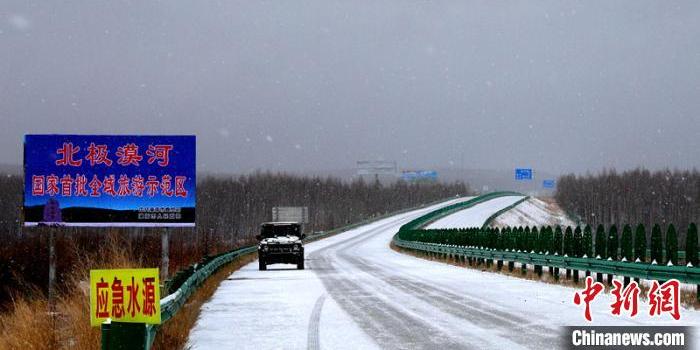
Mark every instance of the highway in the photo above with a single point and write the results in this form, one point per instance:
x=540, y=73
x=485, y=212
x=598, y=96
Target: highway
x=358, y=293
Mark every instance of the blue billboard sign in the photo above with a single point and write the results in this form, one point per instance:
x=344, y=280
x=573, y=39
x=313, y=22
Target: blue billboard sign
x=548, y=183
x=419, y=175
x=523, y=174
x=102, y=180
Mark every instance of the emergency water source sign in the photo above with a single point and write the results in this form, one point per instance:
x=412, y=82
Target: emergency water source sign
x=128, y=295
x=100, y=180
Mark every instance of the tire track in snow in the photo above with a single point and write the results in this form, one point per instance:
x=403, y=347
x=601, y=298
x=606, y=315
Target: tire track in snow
x=390, y=326
x=313, y=339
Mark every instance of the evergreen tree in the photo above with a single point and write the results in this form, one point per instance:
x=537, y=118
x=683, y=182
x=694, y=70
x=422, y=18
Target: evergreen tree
x=626, y=243
x=640, y=243
x=657, y=248
x=671, y=245
x=587, y=244
x=546, y=237
x=613, y=242
x=600, y=241
x=527, y=247
x=536, y=240
x=568, y=241
x=578, y=242
x=691, y=245
x=557, y=241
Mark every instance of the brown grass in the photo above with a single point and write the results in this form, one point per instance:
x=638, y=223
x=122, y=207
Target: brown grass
x=688, y=298
x=30, y=325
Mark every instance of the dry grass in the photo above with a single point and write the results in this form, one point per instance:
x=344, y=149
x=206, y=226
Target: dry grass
x=174, y=333
x=688, y=298
x=30, y=325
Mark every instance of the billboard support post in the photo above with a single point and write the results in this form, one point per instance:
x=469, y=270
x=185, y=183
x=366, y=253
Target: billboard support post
x=52, y=281
x=165, y=254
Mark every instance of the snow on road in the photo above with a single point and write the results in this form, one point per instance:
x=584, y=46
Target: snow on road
x=474, y=216
x=534, y=212
x=358, y=294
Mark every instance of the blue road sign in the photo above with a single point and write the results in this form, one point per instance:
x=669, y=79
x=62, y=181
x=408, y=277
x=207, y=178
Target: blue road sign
x=523, y=174
x=419, y=175
x=100, y=180
x=548, y=183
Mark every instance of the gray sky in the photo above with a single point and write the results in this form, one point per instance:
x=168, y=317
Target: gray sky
x=295, y=85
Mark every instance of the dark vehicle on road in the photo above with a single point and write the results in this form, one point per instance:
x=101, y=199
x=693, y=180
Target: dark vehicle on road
x=280, y=243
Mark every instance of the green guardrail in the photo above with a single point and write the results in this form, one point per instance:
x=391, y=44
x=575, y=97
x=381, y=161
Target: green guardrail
x=690, y=275
x=640, y=270
x=442, y=212
x=122, y=335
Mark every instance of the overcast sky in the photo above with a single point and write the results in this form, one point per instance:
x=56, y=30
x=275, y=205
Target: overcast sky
x=309, y=85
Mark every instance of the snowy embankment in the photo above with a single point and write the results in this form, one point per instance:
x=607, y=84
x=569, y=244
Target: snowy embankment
x=534, y=212
x=474, y=216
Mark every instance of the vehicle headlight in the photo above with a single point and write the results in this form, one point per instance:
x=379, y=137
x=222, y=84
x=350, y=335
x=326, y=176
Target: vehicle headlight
x=297, y=247
x=265, y=248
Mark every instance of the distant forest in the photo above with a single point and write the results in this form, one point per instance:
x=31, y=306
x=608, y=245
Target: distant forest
x=632, y=197
x=229, y=212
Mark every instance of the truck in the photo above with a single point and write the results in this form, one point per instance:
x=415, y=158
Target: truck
x=280, y=243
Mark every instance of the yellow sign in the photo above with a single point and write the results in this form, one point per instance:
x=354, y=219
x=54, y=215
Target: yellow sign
x=128, y=295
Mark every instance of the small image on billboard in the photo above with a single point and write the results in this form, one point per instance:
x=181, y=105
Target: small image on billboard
x=101, y=180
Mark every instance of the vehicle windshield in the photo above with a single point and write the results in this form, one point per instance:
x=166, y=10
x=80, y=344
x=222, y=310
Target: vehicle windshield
x=272, y=230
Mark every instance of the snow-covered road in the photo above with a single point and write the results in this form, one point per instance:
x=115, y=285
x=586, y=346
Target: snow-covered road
x=476, y=215
x=357, y=293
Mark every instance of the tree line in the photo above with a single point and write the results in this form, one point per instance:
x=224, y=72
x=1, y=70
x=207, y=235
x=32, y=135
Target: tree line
x=229, y=212
x=634, y=196
x=629, y=245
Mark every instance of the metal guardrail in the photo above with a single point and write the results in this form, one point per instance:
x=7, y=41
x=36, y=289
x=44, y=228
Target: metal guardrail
x=690, y=275
x=640, y=270
x=121, y=335
x=442, y=212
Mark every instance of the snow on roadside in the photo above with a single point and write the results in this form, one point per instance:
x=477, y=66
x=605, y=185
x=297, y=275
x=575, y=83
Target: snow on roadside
x=474, y=216
x=534, y=212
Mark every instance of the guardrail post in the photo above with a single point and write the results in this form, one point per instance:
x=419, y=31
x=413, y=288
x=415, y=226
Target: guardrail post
x=697, y=293
x=523, y=269
x=575, y=276
x=599, y=277
x=104, y=340
x=511, y=266
x=568, y=274
x=626, y=281
x=499, y=265
x=610, y=279
x=124, y=335
x=551, y=270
